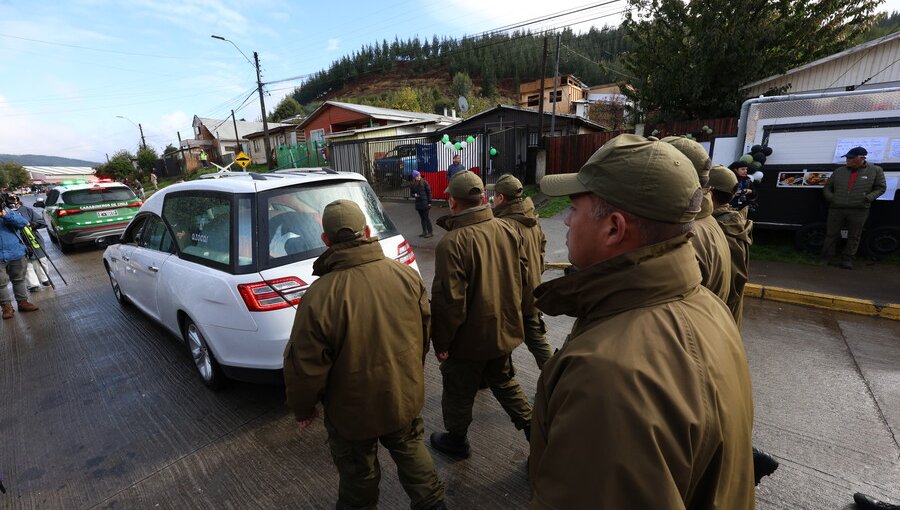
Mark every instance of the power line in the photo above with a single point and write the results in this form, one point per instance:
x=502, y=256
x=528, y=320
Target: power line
x=879, y=72
x=102, y=50
x=626, y=75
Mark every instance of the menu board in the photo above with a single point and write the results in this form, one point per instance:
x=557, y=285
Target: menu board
x=875, y=146
x=803, y=179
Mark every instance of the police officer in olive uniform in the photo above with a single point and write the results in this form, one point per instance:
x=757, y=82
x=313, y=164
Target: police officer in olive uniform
x=510, y=206
x=738, y=231
x=713, y=254
x=477, y=300
x=850, y=191
x=649, y=403
x=358, y=345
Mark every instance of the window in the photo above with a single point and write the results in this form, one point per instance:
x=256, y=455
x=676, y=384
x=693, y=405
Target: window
x=155, y=236
x=318, y=136
x=202, y=227
x=256, y=144
x=534, y=100
x=132, y=234
x=558, y=96
x=97, y=195
x=52, y=196
x=294, y=218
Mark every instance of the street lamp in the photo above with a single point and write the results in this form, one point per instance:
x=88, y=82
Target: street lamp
x=262, y=103
x=143, y=142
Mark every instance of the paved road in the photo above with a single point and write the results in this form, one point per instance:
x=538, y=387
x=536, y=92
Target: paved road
x=100, y=408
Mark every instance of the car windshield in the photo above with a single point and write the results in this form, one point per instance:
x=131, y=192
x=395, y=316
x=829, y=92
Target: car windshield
x=97, y=195
x=294, y=217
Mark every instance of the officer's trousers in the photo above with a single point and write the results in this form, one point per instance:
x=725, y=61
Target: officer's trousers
x=357, y=465
x=461, y=379
x=536, y=339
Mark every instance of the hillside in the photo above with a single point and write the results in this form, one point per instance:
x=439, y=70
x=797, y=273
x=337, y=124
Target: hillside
x=41, y=160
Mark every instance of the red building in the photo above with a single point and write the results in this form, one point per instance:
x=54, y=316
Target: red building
x=334, y=117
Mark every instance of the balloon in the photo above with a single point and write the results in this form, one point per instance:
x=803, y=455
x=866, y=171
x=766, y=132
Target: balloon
x=457, y=146
x=448, y=146
x=493, y=151
x=767, y=151
x=463, y=144
x=445, y=138
x=746, y=158
x=759, y=156
x=755, y=148
x=756, y=165
x=470, y=139
x=757, y=176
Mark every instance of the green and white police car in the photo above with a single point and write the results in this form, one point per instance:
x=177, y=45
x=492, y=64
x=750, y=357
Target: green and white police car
x=80, y=212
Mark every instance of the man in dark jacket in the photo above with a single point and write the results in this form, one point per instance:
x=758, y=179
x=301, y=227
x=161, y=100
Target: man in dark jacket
x=12, y=261
x=358, y=345
x=648, y=404
x=746, y=194
x=510, y=206
x=477, y=298
x=850, y=191
x=421, y=192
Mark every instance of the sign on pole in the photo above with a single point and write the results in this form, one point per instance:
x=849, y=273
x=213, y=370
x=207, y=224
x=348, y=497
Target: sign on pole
x=242, y=159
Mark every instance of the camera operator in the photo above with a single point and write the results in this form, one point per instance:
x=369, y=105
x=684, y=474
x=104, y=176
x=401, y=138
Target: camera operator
x=12, y=259
x=36, y=273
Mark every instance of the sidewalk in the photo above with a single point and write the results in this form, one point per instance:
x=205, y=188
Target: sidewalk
x=871, y=281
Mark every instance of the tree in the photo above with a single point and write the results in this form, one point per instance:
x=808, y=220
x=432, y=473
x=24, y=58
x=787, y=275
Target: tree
x=287, y=107
x=488, y=83
x=407, y=99
x=462, y=85
x=146, y=160
x=13, y=175
x=690, y=59
x=118, y=168
x=170, y=149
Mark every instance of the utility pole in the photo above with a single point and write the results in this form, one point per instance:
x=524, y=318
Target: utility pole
x=236, y=137
x=262, y=105
x=541, y=103
x=555, y=86
x=143, y=142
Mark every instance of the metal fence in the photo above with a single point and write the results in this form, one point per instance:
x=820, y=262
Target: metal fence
x=388, y=163
x=302, y=155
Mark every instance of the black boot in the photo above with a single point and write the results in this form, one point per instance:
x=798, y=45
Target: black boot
x=865, y=502
x=527, y=430
x=763, y=465
x=451, y=444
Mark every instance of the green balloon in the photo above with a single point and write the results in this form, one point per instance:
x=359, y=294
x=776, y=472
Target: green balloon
x=747, y=158
x=445, y=138
x=493, y=151
x=457, y=146
x=756, y=165
x=470, y=139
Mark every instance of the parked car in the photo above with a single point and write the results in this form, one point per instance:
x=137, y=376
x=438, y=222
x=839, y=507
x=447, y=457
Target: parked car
x=80, y=213
x=397, y=164
x=223, y=261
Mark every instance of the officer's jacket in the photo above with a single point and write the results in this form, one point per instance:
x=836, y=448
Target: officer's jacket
x=739, y=233
x=477, y=296
x=713, y=254
x=869, y=185
x=359, y=341
x=648, y=404
x=518, y=216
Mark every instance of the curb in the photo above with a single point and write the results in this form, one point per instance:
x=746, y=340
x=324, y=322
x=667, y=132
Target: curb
x=890, y=311
x=868, y=307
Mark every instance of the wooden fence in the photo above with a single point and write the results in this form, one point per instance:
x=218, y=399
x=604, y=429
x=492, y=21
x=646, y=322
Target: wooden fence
x=566, y=154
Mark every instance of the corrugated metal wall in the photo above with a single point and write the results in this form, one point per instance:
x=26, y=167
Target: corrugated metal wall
x=838, y=74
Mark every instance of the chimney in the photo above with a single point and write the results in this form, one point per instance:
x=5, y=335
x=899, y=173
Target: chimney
x=453, y=113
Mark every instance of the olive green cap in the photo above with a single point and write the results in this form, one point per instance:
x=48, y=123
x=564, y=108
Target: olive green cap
x=722, y=179
x=465, y=184
x=695, y=152
x=647, y=178
x=342, y=220
x=508, y=186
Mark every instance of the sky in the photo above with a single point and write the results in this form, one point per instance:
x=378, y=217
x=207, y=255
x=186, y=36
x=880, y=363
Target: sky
x=72, y=68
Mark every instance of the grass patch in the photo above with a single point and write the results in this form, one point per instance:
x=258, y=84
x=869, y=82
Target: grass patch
x=778, y=246
x=549, y=206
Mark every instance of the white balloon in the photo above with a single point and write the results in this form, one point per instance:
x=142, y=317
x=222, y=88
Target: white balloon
x=462, y=144
x=757, y=177
x=448, y=146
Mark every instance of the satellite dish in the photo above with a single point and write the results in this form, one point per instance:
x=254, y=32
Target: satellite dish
x=463, y=104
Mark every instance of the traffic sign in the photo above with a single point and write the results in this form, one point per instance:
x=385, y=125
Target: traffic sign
x=242, y=159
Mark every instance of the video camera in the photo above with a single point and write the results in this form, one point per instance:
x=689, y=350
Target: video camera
x=7, y=200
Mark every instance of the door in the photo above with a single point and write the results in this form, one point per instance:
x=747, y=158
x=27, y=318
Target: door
x=120, y=265
x=148, y=259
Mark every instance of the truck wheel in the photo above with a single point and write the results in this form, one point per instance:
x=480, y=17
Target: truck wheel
x=883, y=241
x=810, y=237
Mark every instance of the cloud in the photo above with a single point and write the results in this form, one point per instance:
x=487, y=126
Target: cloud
x=211, y=15
x=28, y=134
x=332, y=44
